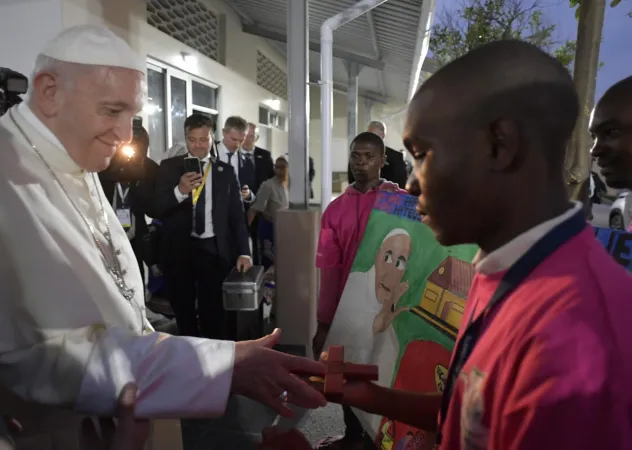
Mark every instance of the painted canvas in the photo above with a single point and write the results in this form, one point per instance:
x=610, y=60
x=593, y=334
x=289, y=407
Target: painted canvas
x=403, y=304
x=401, y=309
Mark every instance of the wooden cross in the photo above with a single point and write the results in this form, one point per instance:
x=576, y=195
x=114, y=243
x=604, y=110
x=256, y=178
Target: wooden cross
x=338, y=372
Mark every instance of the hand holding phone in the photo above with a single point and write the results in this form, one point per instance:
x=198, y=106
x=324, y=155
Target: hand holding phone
x=192, y=165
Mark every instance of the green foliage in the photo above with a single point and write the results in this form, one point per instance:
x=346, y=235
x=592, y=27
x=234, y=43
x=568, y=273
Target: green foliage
x=479, y=22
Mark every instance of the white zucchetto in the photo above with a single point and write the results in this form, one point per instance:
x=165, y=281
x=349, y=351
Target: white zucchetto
x=93, y=45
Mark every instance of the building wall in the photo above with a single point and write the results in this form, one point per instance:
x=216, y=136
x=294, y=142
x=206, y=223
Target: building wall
x=239, y=93
x=19, y=42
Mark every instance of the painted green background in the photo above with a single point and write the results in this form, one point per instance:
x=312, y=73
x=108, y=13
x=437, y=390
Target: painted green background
x=425, y=256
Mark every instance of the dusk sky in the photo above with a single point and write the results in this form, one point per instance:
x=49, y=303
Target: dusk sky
x=616, y=51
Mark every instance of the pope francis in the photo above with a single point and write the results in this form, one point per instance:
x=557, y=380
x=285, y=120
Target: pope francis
x=73, y=330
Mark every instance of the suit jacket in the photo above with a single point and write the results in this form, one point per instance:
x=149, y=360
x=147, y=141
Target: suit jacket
x=141, y=195
x=229, y=225
x=264, y=167
x=394, y=170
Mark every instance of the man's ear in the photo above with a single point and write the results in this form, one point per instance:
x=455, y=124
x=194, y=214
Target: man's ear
x=383, y=161
x=504, y=139
x=46, y=93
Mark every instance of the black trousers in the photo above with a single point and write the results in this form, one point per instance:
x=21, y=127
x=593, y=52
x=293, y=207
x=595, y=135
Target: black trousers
x=198, y=273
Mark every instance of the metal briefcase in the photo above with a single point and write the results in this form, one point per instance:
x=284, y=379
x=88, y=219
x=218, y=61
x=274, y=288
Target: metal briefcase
x=243, y=291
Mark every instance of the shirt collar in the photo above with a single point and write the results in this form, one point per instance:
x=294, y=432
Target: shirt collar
x=507, y=255
x=224, y=149
x=204, y=160
x=54, y=153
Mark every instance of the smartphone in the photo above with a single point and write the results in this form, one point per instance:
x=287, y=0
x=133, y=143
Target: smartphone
x=192, y=164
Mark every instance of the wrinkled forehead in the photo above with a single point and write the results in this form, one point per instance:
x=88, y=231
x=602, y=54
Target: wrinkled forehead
x=114, y=85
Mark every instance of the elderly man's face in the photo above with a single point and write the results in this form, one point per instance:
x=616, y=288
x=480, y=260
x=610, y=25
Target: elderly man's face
x=390, y=265
x=92, y=112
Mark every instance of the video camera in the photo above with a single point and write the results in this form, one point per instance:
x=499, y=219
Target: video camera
x=12, y=85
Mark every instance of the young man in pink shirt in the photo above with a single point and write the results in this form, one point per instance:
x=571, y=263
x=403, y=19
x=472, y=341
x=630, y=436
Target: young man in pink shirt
x=342, y=228
x=543, y=359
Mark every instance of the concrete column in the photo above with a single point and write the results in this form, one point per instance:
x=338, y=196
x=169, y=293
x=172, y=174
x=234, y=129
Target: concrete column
x=298, y=94
x=368, y=108
x=297, y=229
x=353, y=71
x=25, y=26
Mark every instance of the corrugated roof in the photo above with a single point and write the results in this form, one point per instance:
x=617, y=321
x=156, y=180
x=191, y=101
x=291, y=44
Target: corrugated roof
x=387, y=34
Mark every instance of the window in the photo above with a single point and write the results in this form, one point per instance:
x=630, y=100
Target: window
x=173, y=96
x=271, y=118
x=178, y=109
x=204, y=100
x=156, y=114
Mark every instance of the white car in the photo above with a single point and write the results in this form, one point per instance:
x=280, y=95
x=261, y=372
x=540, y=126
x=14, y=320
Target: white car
x=620, y=212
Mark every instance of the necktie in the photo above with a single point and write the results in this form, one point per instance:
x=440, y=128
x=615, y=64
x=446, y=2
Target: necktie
x=230, y=157
x=200, y=209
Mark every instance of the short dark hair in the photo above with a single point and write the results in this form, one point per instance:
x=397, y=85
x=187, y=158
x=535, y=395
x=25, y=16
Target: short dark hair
x=369, y=138
x=236, y=123
x=195, y=121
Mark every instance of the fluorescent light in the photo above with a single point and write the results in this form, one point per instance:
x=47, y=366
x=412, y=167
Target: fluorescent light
x=273, y=104
x=188, y=58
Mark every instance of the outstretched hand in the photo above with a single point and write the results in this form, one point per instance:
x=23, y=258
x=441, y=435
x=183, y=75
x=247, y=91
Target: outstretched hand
x=268, y=376
x=356, y=393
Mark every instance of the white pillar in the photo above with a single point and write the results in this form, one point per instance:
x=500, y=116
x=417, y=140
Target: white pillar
x=25, y=26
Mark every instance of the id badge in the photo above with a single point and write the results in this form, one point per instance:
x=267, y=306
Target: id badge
x=125, y=217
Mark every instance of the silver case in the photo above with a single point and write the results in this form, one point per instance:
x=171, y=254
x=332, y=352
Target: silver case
x=243, y=291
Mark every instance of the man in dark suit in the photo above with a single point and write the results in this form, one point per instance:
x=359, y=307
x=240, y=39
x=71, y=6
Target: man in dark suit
x=204, y=234
x=253, y=165
x=261, y=158
x=394, y=169
x=129, y=184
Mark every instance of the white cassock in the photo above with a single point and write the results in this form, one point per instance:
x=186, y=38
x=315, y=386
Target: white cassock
x=353, y=327
x=68, y=337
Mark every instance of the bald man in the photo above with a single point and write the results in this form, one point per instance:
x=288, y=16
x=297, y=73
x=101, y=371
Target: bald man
x=544, y=354
x=611, y=128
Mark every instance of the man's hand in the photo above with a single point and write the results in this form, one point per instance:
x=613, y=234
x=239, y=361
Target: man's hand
x=356, y=393
x=244, y=263
x=387, y=186
x=130, y=433
x=188, y=182
x=265, y=375
x=318, y=342
x=246, y=193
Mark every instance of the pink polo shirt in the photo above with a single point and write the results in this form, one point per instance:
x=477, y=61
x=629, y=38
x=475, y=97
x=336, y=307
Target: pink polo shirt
x=552, y=371
x=341, y=231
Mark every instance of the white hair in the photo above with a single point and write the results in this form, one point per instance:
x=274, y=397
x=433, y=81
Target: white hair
x=377, y=124
x=396, y=232
x=176, y=150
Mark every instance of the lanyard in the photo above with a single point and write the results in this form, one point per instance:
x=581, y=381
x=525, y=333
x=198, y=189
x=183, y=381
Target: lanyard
x=198, y=190
x=516, y=274
x=122, y=193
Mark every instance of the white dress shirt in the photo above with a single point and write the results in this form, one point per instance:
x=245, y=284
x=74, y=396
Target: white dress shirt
x=208, y=205
x=68, y=337
x=507, y=255
x=235, y=162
